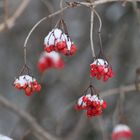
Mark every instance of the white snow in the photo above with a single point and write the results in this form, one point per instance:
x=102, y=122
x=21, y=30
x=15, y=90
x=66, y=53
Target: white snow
x=24, y=79
x=4, y=137
x=121, y=127
x=100, y=62
x=56, y=35
x=80, y=100
x=53, y=55
x=91, y=98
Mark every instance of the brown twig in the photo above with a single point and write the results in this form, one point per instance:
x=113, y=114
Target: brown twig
x=11, y=21
x=99, y=2
x=40, y=21
x=48, y=5
x=5, y=13
x=114, y=91
x=91, y=32
x=35, y=127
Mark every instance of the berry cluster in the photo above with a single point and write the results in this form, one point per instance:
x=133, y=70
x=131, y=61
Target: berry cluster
x=121, y=131
x=101, y=69
x=49, y=60
x=58, y=41
x=92, y=104
x=28, y=84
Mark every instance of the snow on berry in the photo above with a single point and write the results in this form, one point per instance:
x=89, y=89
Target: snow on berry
x=93, y=105
x=50, y=60
x=121, y=131
x=58, y=41
x=2, y=137
x=28, y=84
x=101, y=69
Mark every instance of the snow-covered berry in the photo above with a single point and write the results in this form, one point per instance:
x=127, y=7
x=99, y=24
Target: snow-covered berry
x=59, y=41
x=121, y=132
x=93, y=105
x=28, y=84
x=2, y=137
x=50, y=60
x=101, y=70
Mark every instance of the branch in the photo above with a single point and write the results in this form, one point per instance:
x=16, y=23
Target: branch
x=37, y=129
x=41, y=20
x=91, y=32
x=5, y=12
x=114, y=91
x=10, y=22
x=99, y=2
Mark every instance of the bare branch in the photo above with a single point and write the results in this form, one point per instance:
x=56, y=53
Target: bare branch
x=11, y=21
x=99, y=2
x=37, y=129
x=114, y=91
x=5, y=13
x=40, y=21
x=48, y=5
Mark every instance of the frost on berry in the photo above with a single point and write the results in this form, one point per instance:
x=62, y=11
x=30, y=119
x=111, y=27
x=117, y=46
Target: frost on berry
x=121, y=131
x=50, y=60
x=92, y=104
x=28, y=84
x=59, y=41
x=101, y=70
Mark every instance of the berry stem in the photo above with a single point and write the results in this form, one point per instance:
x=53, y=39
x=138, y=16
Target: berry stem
x=91, y=32
x=25, y=55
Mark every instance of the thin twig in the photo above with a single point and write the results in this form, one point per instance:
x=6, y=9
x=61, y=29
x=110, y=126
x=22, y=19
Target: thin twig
x=102, y=128
x=25, y=56
x=61, y=7
x=40, y=21
x=99, y=2
x=17, y=13
x=48, y=5
x=114, y=91
x=37, y=129
x=91, y=32
x=5, y=12
x=100, y=21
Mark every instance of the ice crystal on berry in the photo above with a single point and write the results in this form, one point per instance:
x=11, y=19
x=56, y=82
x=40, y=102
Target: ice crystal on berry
x=28, y=84
x=59, y=41
x=50, y=60
x=92, y=103
x=121, y=131
x=101, y=69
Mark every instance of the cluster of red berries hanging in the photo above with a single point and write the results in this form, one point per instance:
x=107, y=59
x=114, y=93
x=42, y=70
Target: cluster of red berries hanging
x=50, y=60
x=101, y=69
x=91, y=102
x=121, y=132
x=58, y=40
x=28, y=84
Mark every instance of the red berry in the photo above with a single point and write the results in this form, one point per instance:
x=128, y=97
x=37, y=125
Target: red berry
x=104, y=105
x=38, y=87
x=59, y=64
x=61, y=45
x=72, y=49
x=42, y=65
x=64, y=51
x=28, y=91
x=47, y=49
x=18, y=86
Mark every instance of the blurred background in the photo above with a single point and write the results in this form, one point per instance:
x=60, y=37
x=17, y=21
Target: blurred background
x=53, y=107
